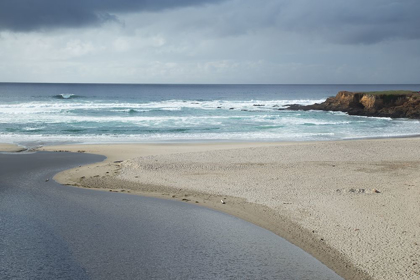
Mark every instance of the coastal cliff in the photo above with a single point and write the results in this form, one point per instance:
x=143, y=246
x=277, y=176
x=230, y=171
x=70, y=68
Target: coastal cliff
x=394, y=104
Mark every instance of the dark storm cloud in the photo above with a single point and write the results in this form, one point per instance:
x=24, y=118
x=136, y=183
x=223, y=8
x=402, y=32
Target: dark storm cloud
x=30, y=15
x=337, y=21
x=354, y=22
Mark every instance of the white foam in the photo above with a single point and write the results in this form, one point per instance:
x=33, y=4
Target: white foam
x=66, y=95
x=264, y=122
x=163, y=105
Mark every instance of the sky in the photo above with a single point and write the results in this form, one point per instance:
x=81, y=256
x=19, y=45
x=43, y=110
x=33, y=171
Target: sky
x=210, y=41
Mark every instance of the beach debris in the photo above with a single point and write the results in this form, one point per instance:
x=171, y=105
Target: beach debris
x=81, y=151
x=118, y=161
x=186, y=199
x=83, y=177
x=47, y=180
x=357, y=190
x=222, y=201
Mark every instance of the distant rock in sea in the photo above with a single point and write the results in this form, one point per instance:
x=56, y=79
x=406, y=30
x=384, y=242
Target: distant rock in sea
x=394, y=104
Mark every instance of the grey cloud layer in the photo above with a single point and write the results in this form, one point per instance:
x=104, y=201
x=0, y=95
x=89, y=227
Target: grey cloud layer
x=30, y=15
x=204, y=41
x=338, y=21
x=357, y=21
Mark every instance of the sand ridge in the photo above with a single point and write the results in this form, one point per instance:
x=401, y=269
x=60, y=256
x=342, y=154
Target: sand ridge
x=352, y=204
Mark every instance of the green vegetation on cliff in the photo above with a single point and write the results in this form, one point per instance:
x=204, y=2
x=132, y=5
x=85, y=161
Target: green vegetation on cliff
x=392, y=92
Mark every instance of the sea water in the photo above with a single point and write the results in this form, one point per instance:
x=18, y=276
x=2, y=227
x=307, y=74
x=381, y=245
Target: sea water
x=37, y=114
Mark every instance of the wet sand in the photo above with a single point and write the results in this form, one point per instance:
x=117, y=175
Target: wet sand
x=354, y=205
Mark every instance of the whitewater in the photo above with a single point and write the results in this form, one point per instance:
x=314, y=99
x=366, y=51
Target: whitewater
x=39, y=114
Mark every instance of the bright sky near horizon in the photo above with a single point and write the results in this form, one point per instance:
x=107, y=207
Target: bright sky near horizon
x=210, y=41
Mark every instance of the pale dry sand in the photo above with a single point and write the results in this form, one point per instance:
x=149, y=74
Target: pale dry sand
x=10, y=148
x=354, y=205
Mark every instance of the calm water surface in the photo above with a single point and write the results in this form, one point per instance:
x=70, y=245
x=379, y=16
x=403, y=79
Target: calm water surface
x=49, y=231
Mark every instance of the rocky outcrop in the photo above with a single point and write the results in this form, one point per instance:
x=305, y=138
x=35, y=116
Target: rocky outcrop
x=394, y=104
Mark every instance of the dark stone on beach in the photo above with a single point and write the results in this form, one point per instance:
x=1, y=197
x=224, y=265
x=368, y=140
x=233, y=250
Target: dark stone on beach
x=393, y=104
x=118, y=161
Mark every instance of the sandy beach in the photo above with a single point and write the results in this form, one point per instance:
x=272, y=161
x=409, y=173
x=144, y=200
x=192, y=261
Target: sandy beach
x=354, y=205
x=10, y=148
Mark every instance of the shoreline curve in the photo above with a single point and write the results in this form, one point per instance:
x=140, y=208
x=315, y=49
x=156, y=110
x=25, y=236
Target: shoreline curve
x=295, y=225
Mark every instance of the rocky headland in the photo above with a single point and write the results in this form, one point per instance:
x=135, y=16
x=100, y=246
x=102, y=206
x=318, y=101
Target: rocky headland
x=394, y=104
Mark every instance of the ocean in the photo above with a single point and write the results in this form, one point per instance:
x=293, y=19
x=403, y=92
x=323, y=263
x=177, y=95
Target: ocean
x=42, y=114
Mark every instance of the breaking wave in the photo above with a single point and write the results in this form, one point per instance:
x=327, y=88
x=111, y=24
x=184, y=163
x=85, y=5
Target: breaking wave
x=65, y=96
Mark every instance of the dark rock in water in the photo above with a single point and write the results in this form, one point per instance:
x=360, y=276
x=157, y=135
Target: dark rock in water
x=394, y=104
x=258, y=105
